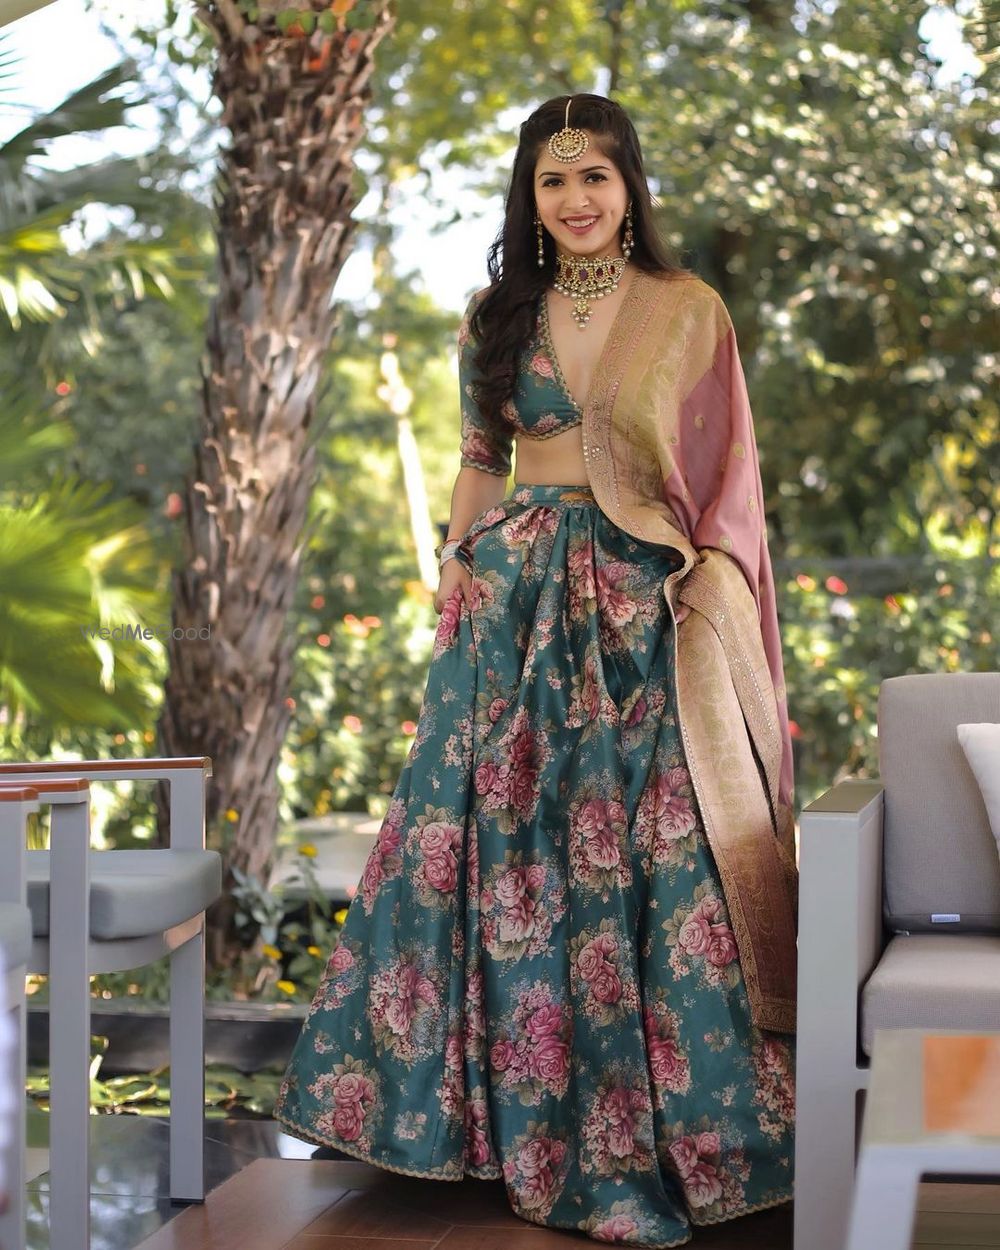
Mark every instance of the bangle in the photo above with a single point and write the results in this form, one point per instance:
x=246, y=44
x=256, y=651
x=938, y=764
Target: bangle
x=447, y=543
x=448, y=550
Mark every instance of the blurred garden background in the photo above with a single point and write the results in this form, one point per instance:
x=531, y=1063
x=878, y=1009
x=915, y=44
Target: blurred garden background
x=193, y=430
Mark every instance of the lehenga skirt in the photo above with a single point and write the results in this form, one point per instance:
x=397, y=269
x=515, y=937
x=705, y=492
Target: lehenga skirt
x=537, y=979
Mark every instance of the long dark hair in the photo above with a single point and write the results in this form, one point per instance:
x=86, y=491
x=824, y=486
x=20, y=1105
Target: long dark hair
x=505, y=317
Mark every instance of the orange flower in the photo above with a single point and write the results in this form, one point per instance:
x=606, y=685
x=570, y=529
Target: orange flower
x=837, y=586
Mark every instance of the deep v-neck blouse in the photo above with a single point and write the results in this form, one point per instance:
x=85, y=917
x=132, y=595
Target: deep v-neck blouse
x=540, y=407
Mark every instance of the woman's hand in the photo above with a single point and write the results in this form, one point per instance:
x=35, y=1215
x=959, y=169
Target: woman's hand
x=452, y=574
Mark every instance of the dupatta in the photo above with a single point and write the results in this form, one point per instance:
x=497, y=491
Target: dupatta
x=669, y=444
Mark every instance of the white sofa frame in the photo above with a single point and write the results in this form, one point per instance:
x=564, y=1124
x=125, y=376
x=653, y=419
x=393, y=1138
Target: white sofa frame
x=16, y=804
x=841, y=938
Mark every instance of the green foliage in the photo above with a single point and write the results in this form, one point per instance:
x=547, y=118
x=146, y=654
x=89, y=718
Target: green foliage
x=227, y=1091
x=72, y=562
x=839, y=645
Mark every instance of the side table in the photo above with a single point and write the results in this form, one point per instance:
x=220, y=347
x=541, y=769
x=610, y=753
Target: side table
x=933, y=1106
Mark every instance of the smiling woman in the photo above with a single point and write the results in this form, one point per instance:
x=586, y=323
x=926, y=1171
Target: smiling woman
x=570, y=960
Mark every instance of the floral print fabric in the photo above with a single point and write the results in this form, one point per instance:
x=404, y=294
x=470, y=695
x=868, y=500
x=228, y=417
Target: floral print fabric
x=540, y=407
x=537, y=979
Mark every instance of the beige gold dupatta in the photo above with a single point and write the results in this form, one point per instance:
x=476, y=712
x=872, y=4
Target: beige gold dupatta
x=670, y=449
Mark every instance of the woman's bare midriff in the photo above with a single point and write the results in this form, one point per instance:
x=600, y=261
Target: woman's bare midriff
x=555, y=461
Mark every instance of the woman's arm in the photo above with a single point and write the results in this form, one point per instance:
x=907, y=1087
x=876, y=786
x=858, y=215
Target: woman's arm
x=475, y=491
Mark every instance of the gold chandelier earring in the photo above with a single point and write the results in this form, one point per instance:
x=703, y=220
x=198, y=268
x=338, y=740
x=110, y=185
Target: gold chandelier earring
x=541, y=248
x=628, y=240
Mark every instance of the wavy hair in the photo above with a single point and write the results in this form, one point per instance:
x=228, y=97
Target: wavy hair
x=504, y=319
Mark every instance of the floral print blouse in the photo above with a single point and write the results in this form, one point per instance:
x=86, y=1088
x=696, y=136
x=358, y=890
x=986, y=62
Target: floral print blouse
x=540, y=407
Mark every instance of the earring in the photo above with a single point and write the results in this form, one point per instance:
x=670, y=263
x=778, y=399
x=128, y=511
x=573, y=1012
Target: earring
x=628, y=239
x=538, y=232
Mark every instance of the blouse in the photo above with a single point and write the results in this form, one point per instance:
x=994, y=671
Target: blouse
x=540, y=407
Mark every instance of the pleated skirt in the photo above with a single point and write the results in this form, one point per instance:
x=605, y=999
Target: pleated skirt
x=537, y=979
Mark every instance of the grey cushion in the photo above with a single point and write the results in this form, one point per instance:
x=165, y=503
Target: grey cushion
x=933, y=981
x=15, y=935
x=940, y=854
x=133, y=893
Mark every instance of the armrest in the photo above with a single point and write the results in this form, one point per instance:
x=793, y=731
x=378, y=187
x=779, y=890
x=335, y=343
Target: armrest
x=840, y=904
x=16, y=804
x=185, y=775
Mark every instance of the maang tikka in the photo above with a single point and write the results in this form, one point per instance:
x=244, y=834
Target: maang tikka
x=569, y=144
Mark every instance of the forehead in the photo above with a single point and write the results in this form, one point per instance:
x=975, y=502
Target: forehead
x=594, y=155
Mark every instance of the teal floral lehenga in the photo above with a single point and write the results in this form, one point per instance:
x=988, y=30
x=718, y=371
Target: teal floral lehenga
x=537, y=980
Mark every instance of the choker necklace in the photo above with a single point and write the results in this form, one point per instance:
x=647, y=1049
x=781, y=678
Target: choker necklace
x=586, y=279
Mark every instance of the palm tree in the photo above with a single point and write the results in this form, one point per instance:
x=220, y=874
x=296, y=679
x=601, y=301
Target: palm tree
x=293, y=83
x=71, y=561
x=47, y=288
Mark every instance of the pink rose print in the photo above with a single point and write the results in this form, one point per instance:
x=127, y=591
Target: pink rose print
x=696, y=1159
x=703, y=1186
x=590, y=690
x=722, y=947
x=638, y=711
x=480, y=591
x=501, y=1054
x=685, y=1155
x=668, y=1064
x=518, y=922
x=544, y=1022
x=535, y=1172
x=448, y=622
x=511, y=887
x=590, y=962
x=496, y=710
x=341, y=959
x=617, y=1129
x=621, y=1141
x=353, y=1096
x=616, y=606
x=388, y=839
x=549, y=1061
x=352, y=1088
x=617, y=1228
x=437, y=842
x=477, y=1142
x=348, y=1122
x=665, y=1061
x=580, y=563
x=606, y=987
x=534, y=1156
x=436, y=837
x=487, y=778
x=442, y=873
x=676, y=779
x=707, y=1144
x=695, y=936
x=542, y=366
x=371, y=878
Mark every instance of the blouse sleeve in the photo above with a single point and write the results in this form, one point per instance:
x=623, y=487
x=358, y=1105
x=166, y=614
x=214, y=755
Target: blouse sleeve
x=483, y=447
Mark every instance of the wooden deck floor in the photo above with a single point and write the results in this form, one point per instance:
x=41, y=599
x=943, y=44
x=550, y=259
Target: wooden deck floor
x=293, y=1204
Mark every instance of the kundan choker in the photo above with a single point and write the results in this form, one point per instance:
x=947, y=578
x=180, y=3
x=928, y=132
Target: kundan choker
x=585, y=280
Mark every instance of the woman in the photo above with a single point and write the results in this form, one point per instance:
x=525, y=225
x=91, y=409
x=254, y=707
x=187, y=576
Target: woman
x=570, y=963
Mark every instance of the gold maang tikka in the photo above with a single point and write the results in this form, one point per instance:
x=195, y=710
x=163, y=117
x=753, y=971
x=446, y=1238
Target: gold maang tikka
x=570, y=143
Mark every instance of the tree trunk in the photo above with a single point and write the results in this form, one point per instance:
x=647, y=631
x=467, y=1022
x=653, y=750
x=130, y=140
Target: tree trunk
x=294, y=106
